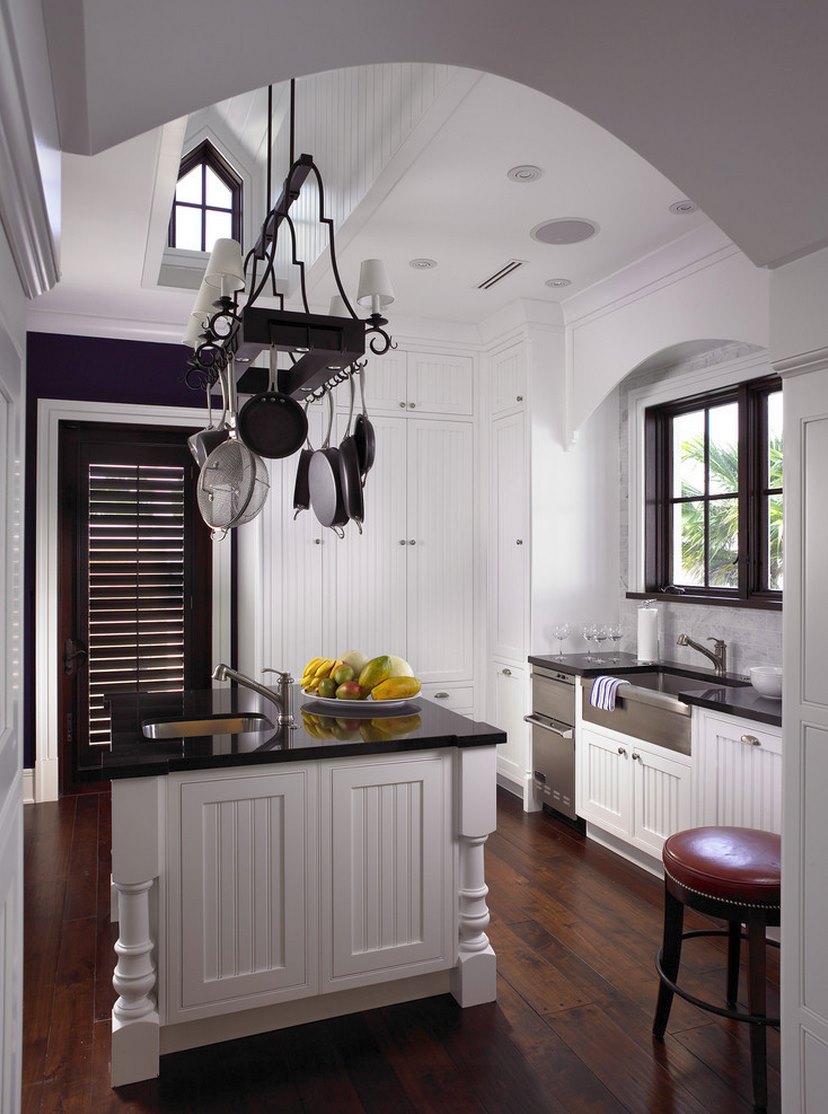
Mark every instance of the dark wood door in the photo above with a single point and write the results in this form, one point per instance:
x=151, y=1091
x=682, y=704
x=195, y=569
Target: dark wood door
x=135, y=583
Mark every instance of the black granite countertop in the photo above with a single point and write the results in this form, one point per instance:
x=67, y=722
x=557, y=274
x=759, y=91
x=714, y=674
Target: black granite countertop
x=319, y=733
x=730, y=693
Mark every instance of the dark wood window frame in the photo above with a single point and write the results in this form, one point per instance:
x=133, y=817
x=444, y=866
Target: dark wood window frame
x=753, y=495
x=206, y=155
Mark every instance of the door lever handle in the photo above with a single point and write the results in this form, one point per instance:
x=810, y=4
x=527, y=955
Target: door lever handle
x=70, y=653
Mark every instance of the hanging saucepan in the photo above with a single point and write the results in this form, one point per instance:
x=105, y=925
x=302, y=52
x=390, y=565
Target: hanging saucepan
x=272, y=424
x=325, y=478
x=202, y=443
x=301, y=488
x=351, y=477
x=364, y=433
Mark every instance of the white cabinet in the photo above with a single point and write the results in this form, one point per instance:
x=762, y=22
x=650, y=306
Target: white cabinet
x=737, y=772
x=637, y=791
x=420, y=382
x=458, y=698
x=508, y=378
x=242, y=904
x=387, y=908
x=509, y=538
x=509, y=686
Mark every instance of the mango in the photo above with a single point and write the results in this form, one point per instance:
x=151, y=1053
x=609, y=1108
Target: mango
x=374, y=673
x=349, y=690
x=327, y=688
x=395, y=688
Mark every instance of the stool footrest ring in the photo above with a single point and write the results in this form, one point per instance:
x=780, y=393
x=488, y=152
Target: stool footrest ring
x=733, y=1015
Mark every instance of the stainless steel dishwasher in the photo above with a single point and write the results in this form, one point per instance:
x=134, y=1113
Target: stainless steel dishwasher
x=553, y=739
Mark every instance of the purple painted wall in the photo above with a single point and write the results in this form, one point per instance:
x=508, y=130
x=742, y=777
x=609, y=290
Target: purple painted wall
x=85, y=369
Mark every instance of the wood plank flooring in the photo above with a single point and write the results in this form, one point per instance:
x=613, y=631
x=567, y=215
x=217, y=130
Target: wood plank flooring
x=575, y=930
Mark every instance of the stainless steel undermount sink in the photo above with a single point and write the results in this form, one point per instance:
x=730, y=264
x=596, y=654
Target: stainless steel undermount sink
x=232, y=723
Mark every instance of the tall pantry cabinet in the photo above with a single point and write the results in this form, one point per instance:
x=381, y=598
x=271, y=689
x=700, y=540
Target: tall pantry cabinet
x=407, y=584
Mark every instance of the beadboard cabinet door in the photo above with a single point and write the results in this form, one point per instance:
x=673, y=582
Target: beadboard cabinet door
x=508, y=379
x=509, y=538
x=509, y=686
x=387, y=903
x=420, y=382
x=604, y=790
x=738, y=772
x=661, y=797
x=243, y=892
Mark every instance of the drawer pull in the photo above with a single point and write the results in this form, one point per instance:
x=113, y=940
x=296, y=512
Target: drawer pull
x=564, y=731
x=506, y=672
x=442, y=695
x=751, y=740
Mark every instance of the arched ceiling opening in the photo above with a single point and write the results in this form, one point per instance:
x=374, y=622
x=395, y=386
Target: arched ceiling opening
x=725, y=100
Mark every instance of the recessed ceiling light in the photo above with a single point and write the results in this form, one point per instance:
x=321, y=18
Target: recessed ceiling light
x=683, y=208
x=422, y=264
x=558, y=282
x=568, y=230
x=524, y=173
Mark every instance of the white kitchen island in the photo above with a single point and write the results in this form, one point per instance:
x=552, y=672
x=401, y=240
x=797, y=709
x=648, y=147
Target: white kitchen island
x=264, y=886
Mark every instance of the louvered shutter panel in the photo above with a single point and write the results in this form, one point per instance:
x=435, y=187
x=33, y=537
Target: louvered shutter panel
x=136, y=586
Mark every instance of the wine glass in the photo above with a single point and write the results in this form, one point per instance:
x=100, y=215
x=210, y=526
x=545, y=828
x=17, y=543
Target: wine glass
x=614, y=631
x=601, y=634
x=561, y=632
x=589, y=635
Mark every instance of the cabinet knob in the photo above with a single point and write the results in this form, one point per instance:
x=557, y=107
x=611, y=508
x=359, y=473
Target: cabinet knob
x=751, y=740
x=622, y=751
x=506, y=672
x=317, y=541
x=412, y=406
x=403, y=541
x=519, y=541
x=402, y=406
x=519, y=398
x=411, y=541
x=441, y=695
x=636, y=757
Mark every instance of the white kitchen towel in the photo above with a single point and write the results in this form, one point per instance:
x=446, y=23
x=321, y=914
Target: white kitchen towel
x=603, y=692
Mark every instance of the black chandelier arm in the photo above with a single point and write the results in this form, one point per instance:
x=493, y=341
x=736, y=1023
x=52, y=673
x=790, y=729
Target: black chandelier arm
x=385, y=345
x=331, y=242
x=297, y=262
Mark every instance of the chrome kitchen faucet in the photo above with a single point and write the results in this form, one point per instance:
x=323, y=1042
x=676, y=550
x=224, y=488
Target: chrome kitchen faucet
x=284, y=699
x=718, y=655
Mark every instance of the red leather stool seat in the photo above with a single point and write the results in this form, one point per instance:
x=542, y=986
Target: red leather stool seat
x=740, y=865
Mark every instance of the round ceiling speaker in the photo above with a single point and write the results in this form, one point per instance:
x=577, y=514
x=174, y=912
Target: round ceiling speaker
x=422, y=264
x=568, y=230
x=683, y=208
x=558, y=282
x=524, y=173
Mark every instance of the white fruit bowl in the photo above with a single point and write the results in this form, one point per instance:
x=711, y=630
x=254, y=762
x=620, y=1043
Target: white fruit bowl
x=767, y=680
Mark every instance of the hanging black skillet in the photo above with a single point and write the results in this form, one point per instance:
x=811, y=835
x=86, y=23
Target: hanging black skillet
x=326, y=488
x=301, y=488
x=272, y=424
x=364, y=433
x=349, y=460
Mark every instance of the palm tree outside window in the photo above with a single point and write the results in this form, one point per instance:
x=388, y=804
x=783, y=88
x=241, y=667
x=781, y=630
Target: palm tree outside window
x=714, y=524
x=208, y=201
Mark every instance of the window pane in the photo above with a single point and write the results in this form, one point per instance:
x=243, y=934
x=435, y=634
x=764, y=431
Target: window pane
x=775, y=439
x=688, y=543
x=688, y=454
x=189, y=186
x=217, y=193
x=216, y=225
x=775, y=543
x=724, y=543
x=187, y=228
x=723, y=476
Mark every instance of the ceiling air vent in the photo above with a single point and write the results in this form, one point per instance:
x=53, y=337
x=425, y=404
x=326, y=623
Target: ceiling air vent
x=504, y=272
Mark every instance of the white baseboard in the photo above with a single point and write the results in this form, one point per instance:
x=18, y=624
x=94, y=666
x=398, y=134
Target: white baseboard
x=28, y=787
x=625, y=850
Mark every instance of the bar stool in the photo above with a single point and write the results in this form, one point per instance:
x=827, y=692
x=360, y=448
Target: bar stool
x=732, y=874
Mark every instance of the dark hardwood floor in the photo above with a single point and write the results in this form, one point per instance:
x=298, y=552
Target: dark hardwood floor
x=575, y=929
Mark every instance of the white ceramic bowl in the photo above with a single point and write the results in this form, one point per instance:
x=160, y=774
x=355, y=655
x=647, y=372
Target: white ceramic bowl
x=767, y=680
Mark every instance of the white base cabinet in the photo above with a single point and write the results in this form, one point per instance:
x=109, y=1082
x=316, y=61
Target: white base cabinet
x=509, y=690
x=636, y=791
x=737, y=776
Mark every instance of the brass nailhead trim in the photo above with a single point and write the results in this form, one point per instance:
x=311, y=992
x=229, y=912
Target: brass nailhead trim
x=726, y=900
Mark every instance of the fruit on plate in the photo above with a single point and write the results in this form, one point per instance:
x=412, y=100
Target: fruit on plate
x=395, y=688
x=327, y=688
x=375, y=672
x=400, y=667
x=349, y=690
x=343, y=673
x=316, y=670
x=355, y=659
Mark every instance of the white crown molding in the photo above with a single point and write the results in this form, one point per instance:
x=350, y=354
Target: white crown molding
x=92, y=325
x=23, y=209
x=805, y=362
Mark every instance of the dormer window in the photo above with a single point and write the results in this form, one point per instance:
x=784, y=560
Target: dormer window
x=208, y=201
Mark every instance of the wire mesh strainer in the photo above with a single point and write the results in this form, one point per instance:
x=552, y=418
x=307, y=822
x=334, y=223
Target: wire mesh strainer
x=225, y=485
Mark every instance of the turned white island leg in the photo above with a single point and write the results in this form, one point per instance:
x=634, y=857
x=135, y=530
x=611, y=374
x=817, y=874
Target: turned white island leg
x=135, y=866
x=474, y=978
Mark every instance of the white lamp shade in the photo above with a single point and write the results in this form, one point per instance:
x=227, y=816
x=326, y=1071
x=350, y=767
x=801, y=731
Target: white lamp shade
x=192, y=334
x=338, y=307
x=225, y=271
x=375, y=288
x=205, y=299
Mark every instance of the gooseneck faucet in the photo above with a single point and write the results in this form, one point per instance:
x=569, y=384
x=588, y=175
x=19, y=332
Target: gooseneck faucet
x=283, y=700
x=718, y=655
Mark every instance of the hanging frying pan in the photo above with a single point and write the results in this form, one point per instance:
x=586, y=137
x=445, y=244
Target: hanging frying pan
x=301, y=488
x=325, y=477
x=364, y=433
x=272, y=424
x=351, y=477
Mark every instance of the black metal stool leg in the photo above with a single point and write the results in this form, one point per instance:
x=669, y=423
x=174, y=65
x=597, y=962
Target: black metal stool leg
x=757, y=1006
x=670, y=956
x=733, y=948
